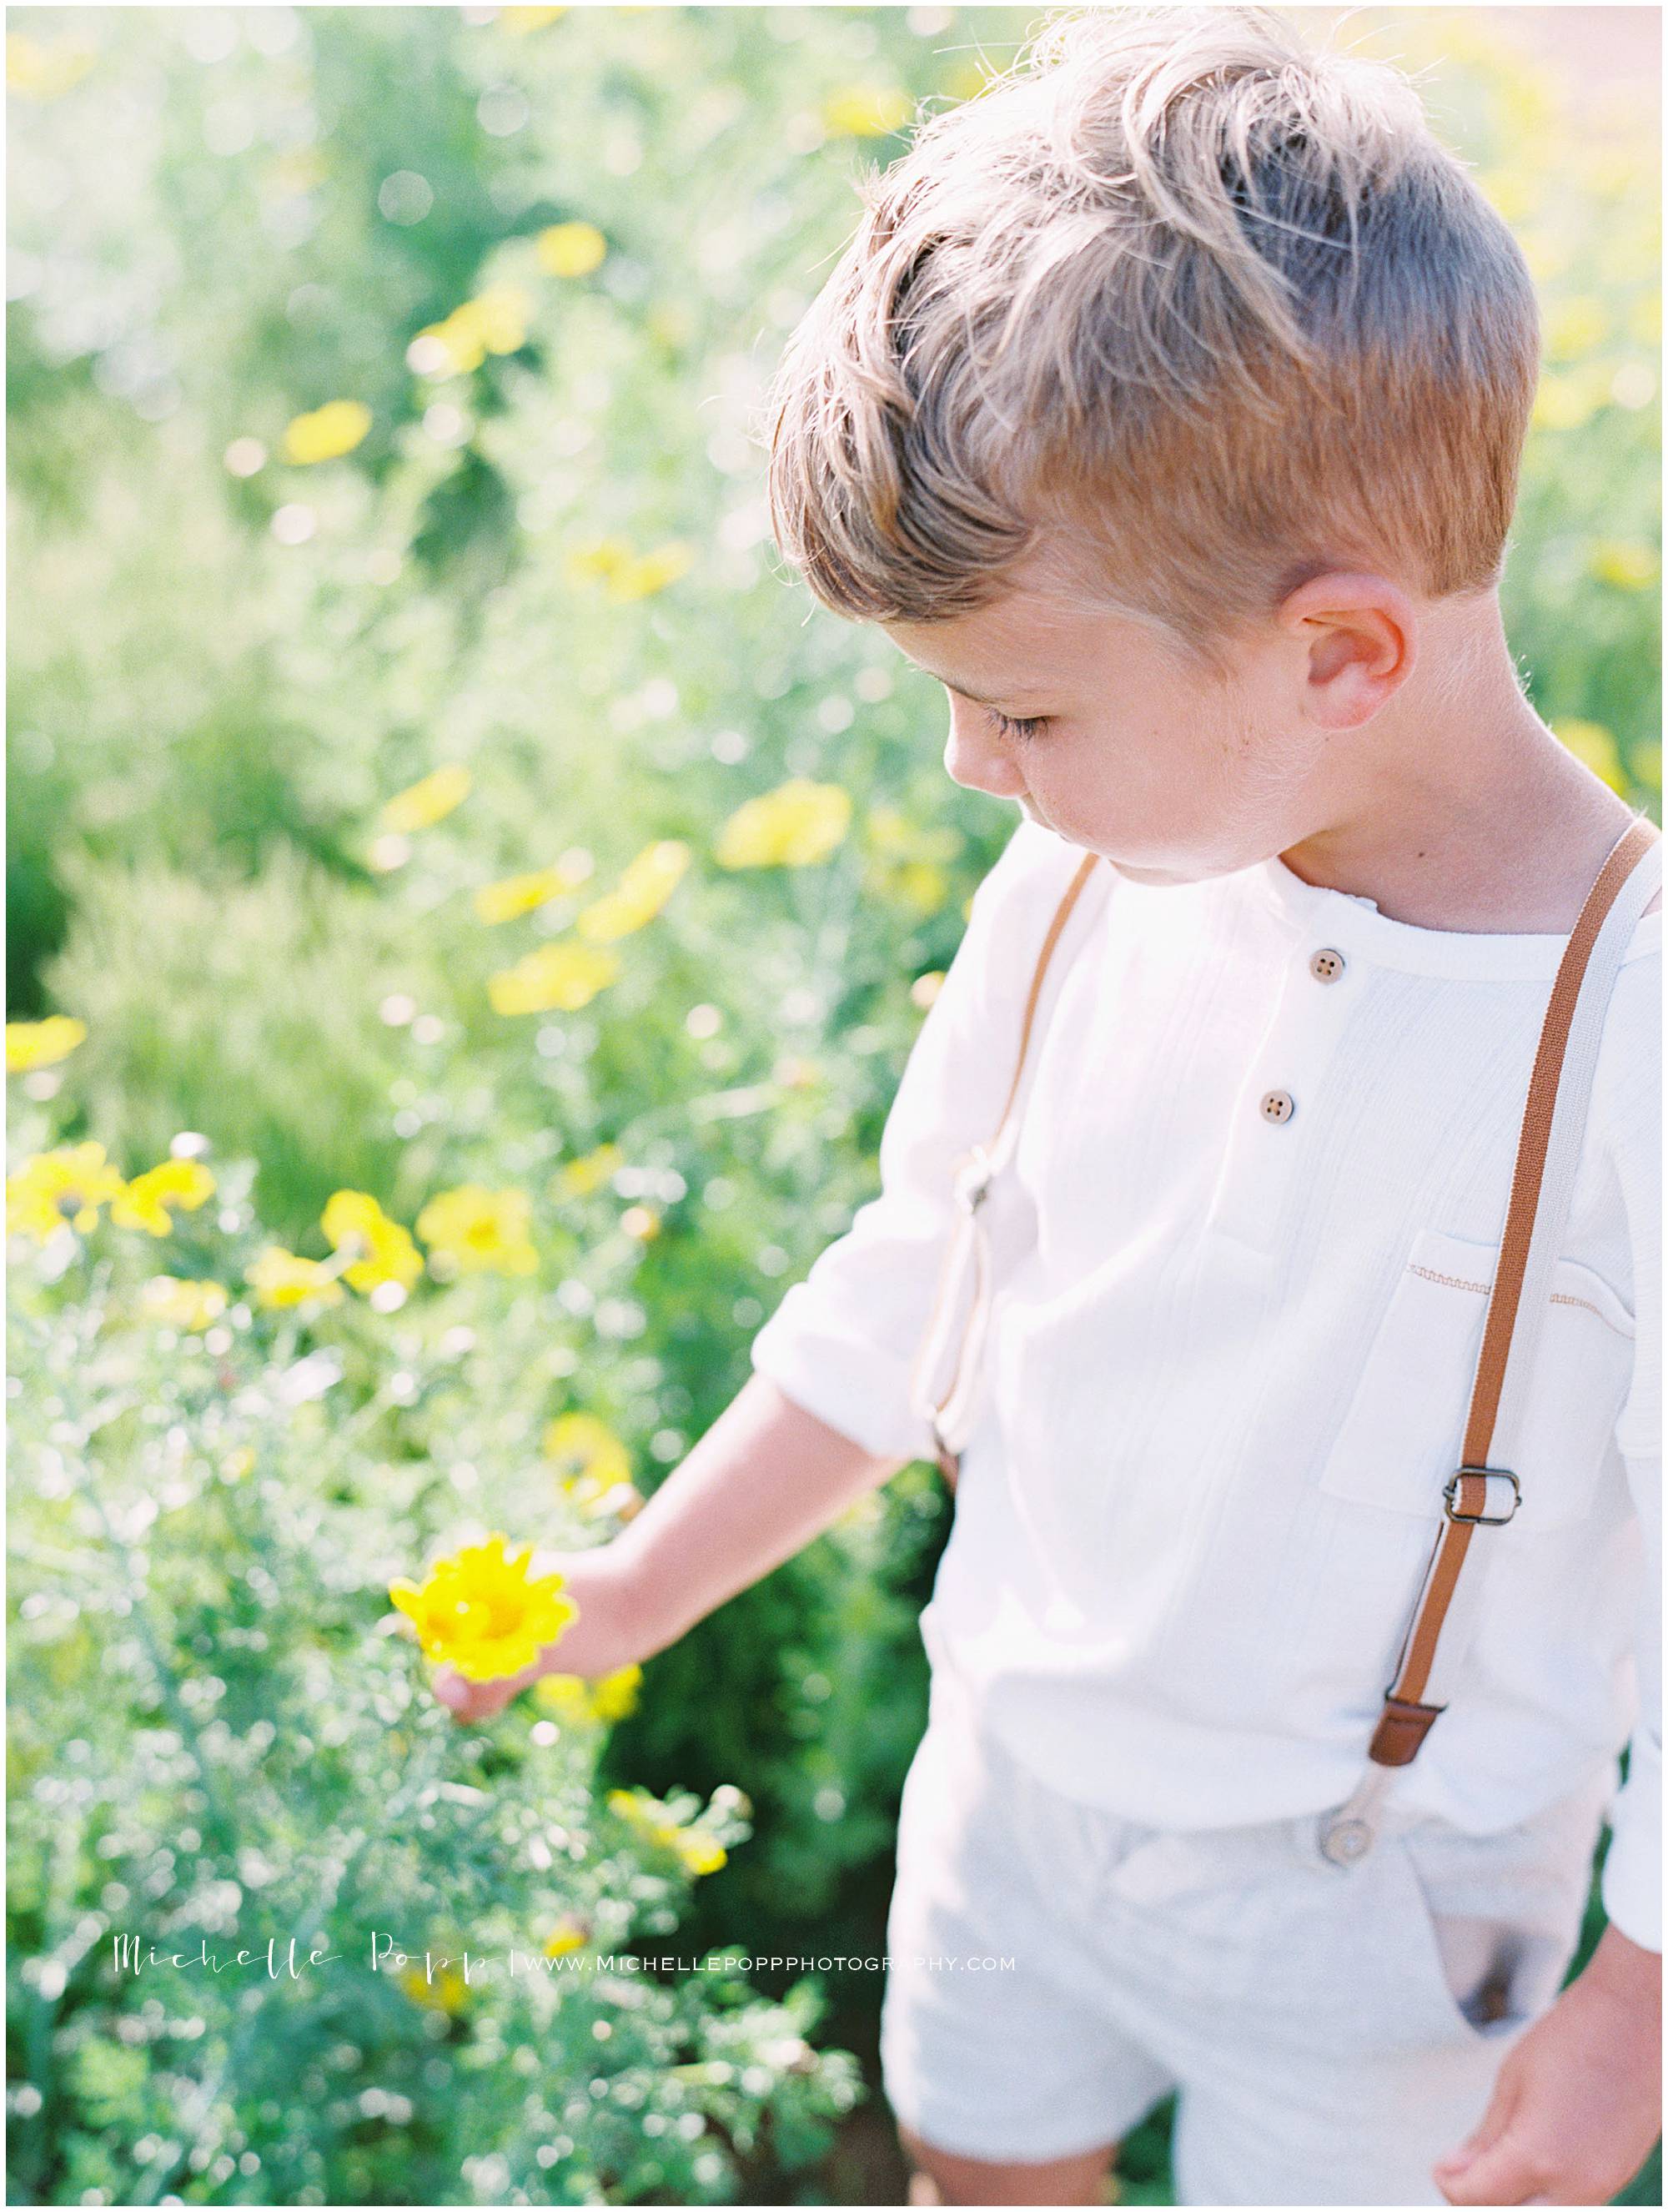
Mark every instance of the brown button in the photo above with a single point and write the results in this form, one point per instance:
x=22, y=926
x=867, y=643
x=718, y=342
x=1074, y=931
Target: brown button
x=1278, y=1106
x=1327, y=966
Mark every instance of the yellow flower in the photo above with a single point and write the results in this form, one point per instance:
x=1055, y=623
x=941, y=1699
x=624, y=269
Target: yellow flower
x=1645, y=761
x=1596, y=747
x=459, y=343
x=571, y=249
x=387, y=1254
x=494, y=321
x=566, y=1697
x=639, y=895
x=889, y=830
x=628, y=575
x=70, y=1184
x=597, y=556
x=500, y=313
x=579, y=1702
x=564, y=975
x=568, y=1935
x=484, y=1610
x=38, y=1044
x=579, y=1178
x=594, y=1500
x=284, y=1279
x=447, y=1992
x=867, y=110
x=327, y=433
x=921, y=884
x=698, y=1851
x=1630, y=565
x=175, y=1302
x=145, y=1203
x=593, y=1468
x=512, y=896
x=582, y=1444
x=908, y=859
x=613, y=1696
x=36, y=71
x=421, y=805
x=798, y=823
x=640, y=577
x=480, y=1231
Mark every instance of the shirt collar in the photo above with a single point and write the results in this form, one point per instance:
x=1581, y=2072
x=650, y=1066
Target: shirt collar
x=1354, y=927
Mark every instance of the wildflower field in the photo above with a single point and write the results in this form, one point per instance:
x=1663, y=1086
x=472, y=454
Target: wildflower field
x=469, y=909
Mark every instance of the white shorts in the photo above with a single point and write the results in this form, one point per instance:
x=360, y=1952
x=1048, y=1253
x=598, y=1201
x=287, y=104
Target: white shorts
x=1054, y=1971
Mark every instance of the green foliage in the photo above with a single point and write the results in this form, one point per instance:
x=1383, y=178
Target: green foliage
x=224, y=1757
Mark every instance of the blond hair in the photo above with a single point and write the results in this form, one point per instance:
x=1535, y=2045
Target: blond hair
x=1181, y=307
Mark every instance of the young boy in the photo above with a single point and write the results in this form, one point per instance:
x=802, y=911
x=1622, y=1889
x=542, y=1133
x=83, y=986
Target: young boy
x=1167, y=407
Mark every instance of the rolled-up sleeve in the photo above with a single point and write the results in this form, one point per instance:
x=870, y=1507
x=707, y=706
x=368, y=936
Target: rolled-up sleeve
x=1630, y=1886
x=842, y=1344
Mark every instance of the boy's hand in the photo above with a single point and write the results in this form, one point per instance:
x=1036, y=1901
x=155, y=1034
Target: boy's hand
x=605, y=1634
x=1578, y=2100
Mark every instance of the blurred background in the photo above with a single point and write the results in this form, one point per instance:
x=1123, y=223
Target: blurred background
x=468, y=911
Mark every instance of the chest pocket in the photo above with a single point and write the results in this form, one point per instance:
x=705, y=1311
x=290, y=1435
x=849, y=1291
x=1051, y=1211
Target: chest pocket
x=1400, y=1439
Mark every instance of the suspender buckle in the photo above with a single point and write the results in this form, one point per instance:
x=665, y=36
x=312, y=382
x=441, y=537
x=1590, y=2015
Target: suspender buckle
x=1489, y=1474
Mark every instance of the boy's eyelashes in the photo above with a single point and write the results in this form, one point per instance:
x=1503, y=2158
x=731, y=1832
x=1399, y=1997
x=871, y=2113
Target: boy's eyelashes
x=1021, y=726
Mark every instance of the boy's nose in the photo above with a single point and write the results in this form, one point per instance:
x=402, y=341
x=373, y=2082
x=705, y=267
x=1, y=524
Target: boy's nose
x=974, y=758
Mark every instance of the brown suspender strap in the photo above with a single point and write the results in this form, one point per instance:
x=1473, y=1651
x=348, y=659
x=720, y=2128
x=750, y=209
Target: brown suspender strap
x=1062, y=915
x=973, y=1176
x=1405, y=1722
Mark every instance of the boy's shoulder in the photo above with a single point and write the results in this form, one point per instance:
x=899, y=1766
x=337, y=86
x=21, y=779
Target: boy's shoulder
x=1628, y=1079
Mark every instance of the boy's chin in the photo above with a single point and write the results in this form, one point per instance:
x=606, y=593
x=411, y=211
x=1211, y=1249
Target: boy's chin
x=1137, y=871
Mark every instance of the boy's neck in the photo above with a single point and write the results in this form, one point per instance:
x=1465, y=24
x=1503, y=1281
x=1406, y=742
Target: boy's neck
x=1484, y=824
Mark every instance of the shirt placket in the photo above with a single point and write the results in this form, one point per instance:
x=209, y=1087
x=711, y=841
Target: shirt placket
x=1279, y=1095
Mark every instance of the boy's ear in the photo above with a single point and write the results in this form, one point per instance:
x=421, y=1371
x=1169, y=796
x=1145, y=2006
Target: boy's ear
x=1359, y=633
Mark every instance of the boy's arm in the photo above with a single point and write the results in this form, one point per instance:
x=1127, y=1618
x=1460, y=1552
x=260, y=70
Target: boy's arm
x=1630, y=1886
x=765, y=1479
x=1577, y=2104
x=825, y=1415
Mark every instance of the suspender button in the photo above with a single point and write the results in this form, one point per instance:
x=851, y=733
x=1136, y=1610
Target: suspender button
x=1343, y=1842
x=973, y=1180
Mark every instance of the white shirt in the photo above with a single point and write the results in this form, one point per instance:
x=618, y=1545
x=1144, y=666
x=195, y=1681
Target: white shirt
x=1230, y=1358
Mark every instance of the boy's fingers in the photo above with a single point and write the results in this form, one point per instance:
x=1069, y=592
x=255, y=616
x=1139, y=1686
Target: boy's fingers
x=472, y=1701
x=1503, y=2174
